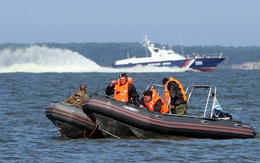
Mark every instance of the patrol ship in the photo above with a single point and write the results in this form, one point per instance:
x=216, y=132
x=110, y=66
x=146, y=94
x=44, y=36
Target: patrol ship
x=169, y=58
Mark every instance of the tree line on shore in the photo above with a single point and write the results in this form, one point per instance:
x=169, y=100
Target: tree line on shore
x=235, y=55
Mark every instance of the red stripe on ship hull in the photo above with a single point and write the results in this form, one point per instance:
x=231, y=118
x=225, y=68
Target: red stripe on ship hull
x=185, y=64
x=210, y=69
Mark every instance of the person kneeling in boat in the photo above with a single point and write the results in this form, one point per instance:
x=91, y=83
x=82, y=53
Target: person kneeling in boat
x=154, y=102
x=175, y=96
x=123, y=90
x=77, y=98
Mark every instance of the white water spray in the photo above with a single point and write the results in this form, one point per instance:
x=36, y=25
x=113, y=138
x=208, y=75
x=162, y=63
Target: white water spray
x=43, y=59
x=39, y=59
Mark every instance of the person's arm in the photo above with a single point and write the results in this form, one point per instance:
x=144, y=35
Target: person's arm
x=134, y=95
x=69, y=99
x=173, y=92
x=110, y=90
x=158, y=106
x=141, y=103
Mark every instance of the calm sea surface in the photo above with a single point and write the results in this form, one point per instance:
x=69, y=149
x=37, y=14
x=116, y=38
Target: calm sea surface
x=28, y=136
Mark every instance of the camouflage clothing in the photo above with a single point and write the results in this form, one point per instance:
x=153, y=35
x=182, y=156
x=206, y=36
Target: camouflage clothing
x=180, y=109
x=77, y=98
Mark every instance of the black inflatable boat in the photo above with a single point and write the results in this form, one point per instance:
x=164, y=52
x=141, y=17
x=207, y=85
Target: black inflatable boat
x=120, y=120
x=71, y=121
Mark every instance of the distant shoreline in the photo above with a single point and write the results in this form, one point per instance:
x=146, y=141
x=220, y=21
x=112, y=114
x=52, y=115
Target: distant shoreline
x=104, y=54
x=247, y=66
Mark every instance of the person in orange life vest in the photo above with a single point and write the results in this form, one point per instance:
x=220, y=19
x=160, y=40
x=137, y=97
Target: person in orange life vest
x=176, y=93
x=123, y=90
x=77, y=98
x=154, y=102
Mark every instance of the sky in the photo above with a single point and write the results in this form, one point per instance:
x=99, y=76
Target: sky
x=172, y=22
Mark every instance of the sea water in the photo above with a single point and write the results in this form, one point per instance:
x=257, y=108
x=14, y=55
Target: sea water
x=28, y=84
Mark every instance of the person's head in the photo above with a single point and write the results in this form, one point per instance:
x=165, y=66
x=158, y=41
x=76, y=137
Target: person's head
x=165, y=80
x=147, y=95
x=122, y=78
x=83, y=87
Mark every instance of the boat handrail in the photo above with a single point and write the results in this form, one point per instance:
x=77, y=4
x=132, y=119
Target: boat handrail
x=211, y=94
x=98, y=91
x=152, y=86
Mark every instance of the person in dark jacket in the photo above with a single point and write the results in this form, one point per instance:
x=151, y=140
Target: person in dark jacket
x=123, y=90
x=77, y=98
x=175, y=96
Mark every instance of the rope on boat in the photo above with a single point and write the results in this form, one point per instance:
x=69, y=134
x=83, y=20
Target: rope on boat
x=111, y=134
x=84, y=134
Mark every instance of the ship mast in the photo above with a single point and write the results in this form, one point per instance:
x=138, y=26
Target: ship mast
x=182, y=52
x=146, y=43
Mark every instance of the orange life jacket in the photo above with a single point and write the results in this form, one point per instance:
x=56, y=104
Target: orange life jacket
x=150, y=105
x=130, y=80
x=167, y=94
x=154, y=92
x=121, y=91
